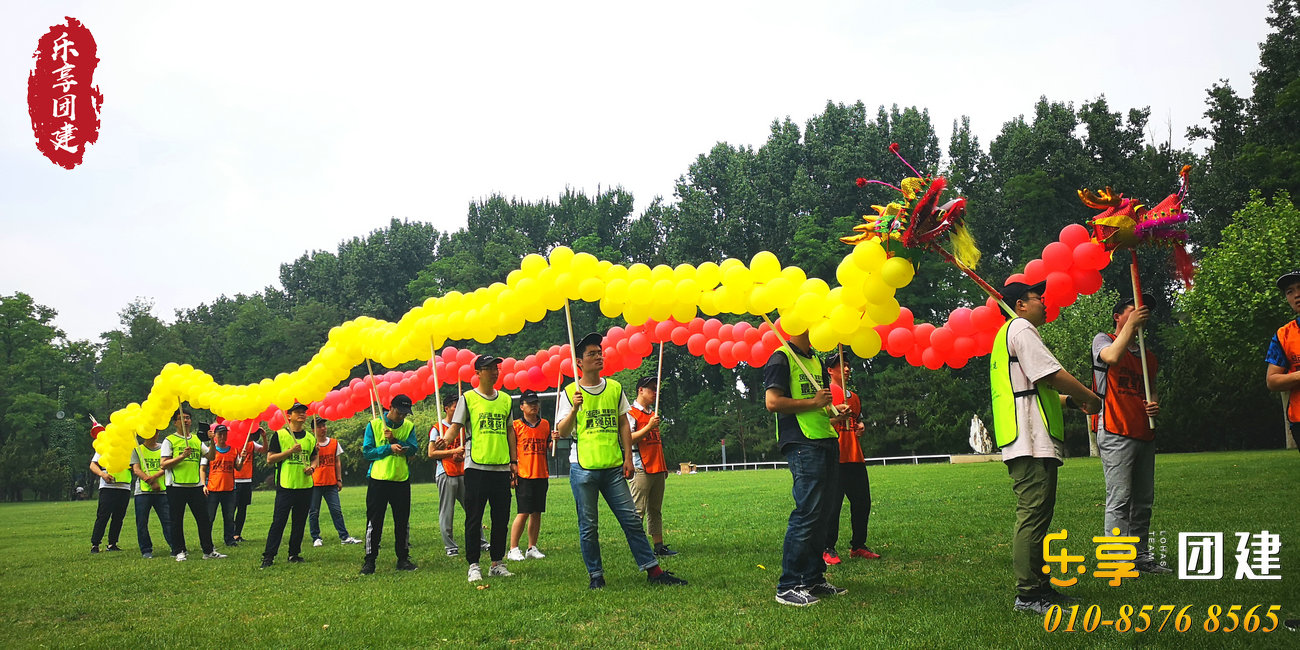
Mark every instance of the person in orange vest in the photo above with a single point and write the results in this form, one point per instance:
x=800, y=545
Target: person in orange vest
x=450, y=473
x=218, y=478
x=244, y=479
x=851, y=480
x=327, y=482
x=648, y=458
x=1125, y=439
x=1283, y=355
x=532, y=439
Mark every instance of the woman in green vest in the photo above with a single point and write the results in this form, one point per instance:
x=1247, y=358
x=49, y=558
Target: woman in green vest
x=292, y=451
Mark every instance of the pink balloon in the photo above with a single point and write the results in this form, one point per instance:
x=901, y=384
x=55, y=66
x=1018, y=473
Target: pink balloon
x=1073, y=235
x=959, y=321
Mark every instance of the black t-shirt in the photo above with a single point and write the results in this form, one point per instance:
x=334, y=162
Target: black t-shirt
x=776, y=374
x=273, y=444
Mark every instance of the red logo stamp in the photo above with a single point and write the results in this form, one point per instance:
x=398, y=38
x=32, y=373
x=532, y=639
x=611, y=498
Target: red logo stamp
x=61, y=96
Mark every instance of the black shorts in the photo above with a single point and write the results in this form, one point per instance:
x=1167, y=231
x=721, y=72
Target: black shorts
x=530, y=495
x=243, y=494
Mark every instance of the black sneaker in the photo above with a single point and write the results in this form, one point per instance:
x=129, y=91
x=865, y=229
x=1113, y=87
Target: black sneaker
x=147, y=555
x=662, y=550
x=1058, y=598
x=796, y=597
x=665, y=578
x=94, y=548
x=267, y=562
x=826, y=589
x=368, y=567
x=296, y=559
x=1035, y=604
x=597, y=582
x=406, y=564
x=112, y=547
x=1152, y=568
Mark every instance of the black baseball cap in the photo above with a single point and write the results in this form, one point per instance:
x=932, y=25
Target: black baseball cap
x=648, y=381
x=1018, y=290
x=831, y=360
x=318, y=422
x=529, y=397
x=1287, y=279
x=593, y=338
x=1147, y=299
x=450, y=396
x=297, y=406
x=220, y=428
x=401, y=404
x=486, y=361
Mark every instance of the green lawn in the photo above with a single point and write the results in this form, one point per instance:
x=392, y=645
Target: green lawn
x=945, y=579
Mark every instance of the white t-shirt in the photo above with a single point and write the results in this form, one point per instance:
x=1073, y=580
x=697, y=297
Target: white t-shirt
x=1035, y=363
x=167, y=453
x=564, y=406
x=105, y=485
x=461, y=417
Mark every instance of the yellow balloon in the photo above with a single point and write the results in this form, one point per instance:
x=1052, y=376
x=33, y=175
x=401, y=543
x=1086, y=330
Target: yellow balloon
x=822, y=336
x=883, y=313
x=708, y=275
x=897, y=272
x=765, y=266
x=866, y=343
x=843, y=319
x=591, y=289
x=869, y=255
x=531, y=265
x=561, y=257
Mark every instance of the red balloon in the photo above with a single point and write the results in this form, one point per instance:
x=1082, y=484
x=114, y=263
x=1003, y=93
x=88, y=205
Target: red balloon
x=741, y=351
x=566, y=367
x=640, y=344
x=905, y=318
x=964, y=348
x=922, y=333
x=711, y=350
x=913, y=356
x=664, y=331
x=941, y=340
x=622, y=349
x=1060, y=289
x=680, y=335
x=956, y=361
x=725, y=355
x=276, y=421
x=449, y=354
x=724, y=332
x=959, y=321
x=1035, y=272
x=770, y=340
x=984, y=342
x=900, y=341
x=508, y=365
x=554, y=349
x=1058, y=257
x=758, y=356
x=542, y=357
x=521, y=379
x=536, y=376
x=739, y=330
x=1086, y=282
x=1015, y=277
x=465, y=357
x=696, y=326
x=695, y=344
x=1053, y=312
x=1073, y=235
x=465, y=372
x=473, y=381
x=711, y=327
x=508, y=381
x=931, y=359
x=751, y=335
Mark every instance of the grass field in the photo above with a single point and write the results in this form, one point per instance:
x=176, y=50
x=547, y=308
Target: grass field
x=944, y=582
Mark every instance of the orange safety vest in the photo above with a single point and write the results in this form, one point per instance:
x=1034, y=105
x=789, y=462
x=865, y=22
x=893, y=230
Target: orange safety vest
x=450, y=466
x=1123, y=411
x=249, y=449
x=326, y=464
x=221, y=471
x=650, y=446
x=532, y=443
x=1289, y=336
x=850, y=449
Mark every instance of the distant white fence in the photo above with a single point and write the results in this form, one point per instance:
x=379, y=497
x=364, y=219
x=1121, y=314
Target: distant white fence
x=883, y=460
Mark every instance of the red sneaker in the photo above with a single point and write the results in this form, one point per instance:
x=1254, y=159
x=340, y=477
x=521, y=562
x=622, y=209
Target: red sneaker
x=831, y=557
x=865, y=553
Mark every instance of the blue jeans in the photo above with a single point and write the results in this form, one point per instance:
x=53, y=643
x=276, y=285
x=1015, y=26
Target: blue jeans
x=157, y=501
x=586, y=483
x=331, y=495
x=812, y=467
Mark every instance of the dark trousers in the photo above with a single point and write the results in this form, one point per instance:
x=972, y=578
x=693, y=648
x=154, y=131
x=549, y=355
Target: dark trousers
x=851, y=482
x=178, y=498
x=1034, y=482
x=801, y=556
x=243, y=497
x=381, y=495
x=297, y=503
x=481, y=489
x=158, y=502
x=112, y=506
x=227, y=502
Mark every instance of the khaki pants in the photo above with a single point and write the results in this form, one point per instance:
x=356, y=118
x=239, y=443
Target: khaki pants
x=1034, y=482
x=648, y=495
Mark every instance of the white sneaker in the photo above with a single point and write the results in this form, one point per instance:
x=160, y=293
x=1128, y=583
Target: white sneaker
x=499, y=571
x=515, y=555
x=180, y=557
x=351, y=540
x=214, y=555
x=474, y=574
x=318, y=543
x=534, y=553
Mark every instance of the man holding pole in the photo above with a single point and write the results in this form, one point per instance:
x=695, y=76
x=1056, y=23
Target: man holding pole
x=244, y=480
x=1125, y=439
x=797, y=391
x=150, y=493
x=483, y=416
x=1284, y=352
x=292, y=451
x=180, y=459
x=388, y=443
x=851, y=480
x=594, y=411
x=532, y=439
x=327, y=482
x=218, y=478
x=450, y=474
x=648, y=457
x=1026, y=385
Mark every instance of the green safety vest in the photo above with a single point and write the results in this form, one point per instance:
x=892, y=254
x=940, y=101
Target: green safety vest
x=1005, y=427
x=289, y=473
x=815, y=424
x=489, y=444
x=391, y=467
x=186, y=471
x=596, y=427
x=150, y=463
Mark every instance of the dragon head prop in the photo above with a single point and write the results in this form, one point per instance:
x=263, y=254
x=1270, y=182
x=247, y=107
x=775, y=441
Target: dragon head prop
x=1127, y=223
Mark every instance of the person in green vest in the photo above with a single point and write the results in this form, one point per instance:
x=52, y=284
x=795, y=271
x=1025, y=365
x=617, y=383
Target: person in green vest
x=181, y=451
x=483, y=415
x=114, y=495
x=593, y=410
x=1026, y=383
x=150, y=493
x=292, y=451
x=388, y=443
x=805, y=433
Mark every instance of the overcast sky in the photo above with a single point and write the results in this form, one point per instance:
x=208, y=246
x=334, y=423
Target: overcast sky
x=238, y=135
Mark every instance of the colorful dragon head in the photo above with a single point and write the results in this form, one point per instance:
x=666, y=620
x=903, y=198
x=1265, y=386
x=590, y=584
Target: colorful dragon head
x=1127, y=224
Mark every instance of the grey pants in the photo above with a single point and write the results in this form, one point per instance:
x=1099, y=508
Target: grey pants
x=1130, y=468
x=450, y=490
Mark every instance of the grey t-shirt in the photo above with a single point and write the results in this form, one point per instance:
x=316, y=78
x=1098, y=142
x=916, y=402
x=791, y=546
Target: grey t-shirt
x=1035, y=363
